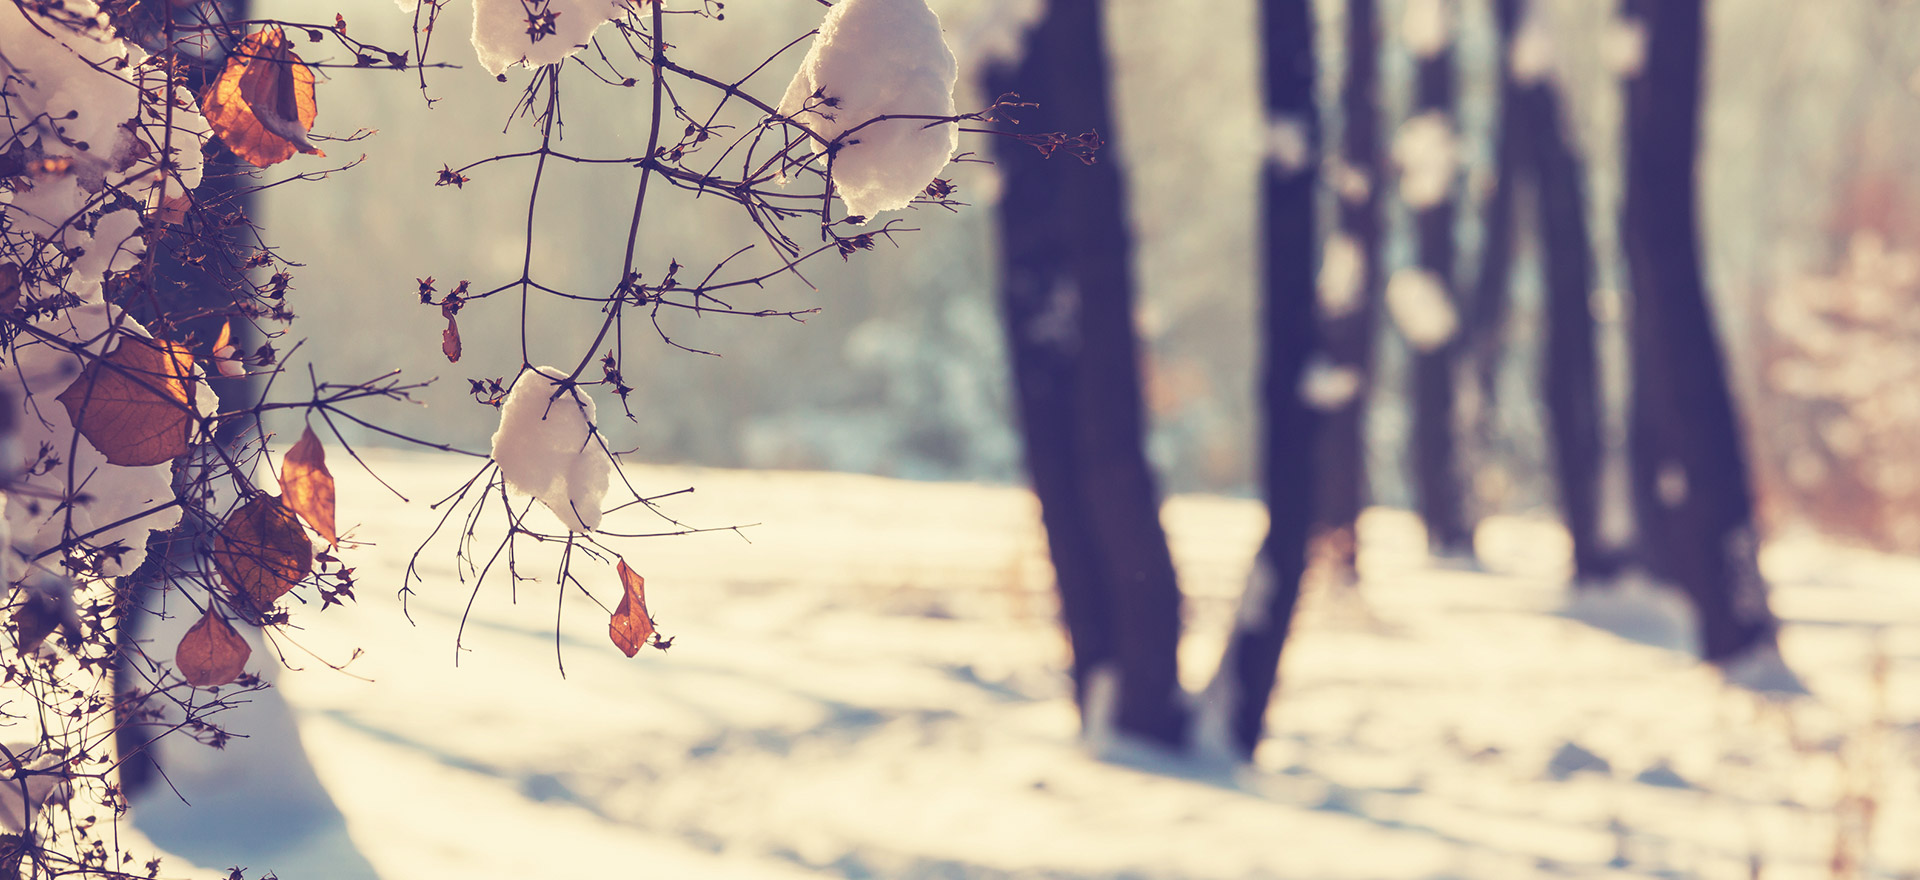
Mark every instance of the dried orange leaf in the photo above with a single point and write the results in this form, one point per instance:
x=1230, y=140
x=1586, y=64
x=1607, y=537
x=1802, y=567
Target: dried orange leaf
x=135, y=405
x=450, y=341
x=172, y=210
x=261, y=551
x=306, y=486
x=211, y=653
x=631, y=626
x=262, y=105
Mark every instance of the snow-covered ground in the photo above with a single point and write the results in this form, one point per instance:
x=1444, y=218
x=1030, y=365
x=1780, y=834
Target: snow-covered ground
x=873, y=687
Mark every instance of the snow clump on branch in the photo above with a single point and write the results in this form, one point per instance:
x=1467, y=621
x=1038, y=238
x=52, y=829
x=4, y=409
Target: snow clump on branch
x=548, y=447
x=74, y=110
x=877, y=58
x=534, y=32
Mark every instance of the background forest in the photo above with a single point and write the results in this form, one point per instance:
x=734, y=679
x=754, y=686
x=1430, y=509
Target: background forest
x=1806, y=193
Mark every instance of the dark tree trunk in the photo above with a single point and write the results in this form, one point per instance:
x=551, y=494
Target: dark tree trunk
x=1545, y=163
x=1067, y=292
x=1688, y=462
x=1571, y=386
x=1485, y=327
x=1348, y=336
x=1251, y=662
x=1436, y=458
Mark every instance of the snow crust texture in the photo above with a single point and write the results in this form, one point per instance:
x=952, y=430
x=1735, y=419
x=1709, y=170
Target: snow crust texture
x=548, y=447
x=534, y=33
x=877, y=58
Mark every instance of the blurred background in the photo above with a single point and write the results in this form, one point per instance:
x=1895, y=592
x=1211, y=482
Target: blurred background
x=1807, y=199
x=879, y=685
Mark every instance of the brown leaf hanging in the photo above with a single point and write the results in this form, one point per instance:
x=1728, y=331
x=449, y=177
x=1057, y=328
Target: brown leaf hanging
x=631, y=626
x=261, y=551
x=211, y=653
x=262, y=105
x=135, y=405
x=306, y=486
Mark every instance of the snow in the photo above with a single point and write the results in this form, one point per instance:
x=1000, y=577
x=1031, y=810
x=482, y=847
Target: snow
x=1623, y=46
x=1426, y=27
x=997, y=32
x=506, y=32
x=875, y=58
x=1530, y=58
x=1419, y=304
x=875, y=687
x=35, y=519
x=548, y=446
x=1289, y=143
x=71, y=97
x=1342, y=269
x=1428, y=155
x=1327, y=386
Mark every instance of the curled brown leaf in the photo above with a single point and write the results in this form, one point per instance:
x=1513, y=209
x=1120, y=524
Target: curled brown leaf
x=306, y=486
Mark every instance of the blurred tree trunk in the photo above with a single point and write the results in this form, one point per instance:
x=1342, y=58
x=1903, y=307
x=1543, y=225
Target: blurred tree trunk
x=1689, y=469
x=1067, y=292
x=1485, y=327
x=1348, y=319
x=1544, y=161
x=1248, y=668
x=1436, y=458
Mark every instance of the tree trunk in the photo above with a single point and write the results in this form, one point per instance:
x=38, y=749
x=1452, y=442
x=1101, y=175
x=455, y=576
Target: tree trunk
x=1436, y=459
x=1250, y=665
x=1571, y=382
x=1067, y=293
x=1545, y=164
x=1688, y=463
x=1487, y=313
x=1348, y=328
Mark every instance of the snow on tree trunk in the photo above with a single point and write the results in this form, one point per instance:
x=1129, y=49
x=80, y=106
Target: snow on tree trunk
x=875, y=58
x=548, y=447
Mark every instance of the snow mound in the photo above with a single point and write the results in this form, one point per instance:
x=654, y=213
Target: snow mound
x=534, y=32
x=547, y=446
x=1418, y=302
x=878, y=58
